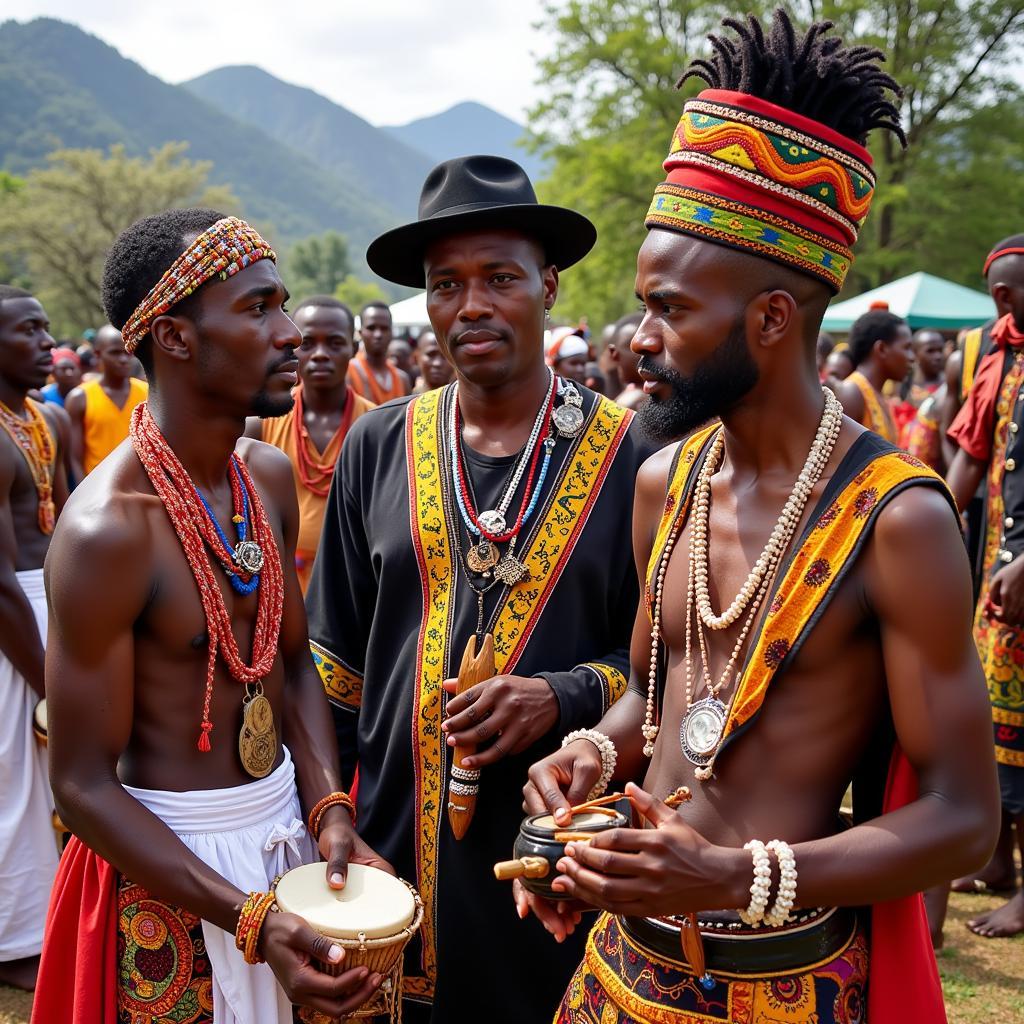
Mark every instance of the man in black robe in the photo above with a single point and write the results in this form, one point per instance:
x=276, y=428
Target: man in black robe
x=498, y=505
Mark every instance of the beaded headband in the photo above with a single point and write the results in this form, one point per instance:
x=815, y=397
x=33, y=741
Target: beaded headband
x=222, y=250
x=758, y=177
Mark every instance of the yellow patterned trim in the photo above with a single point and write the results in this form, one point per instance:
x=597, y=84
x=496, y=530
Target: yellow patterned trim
x=969, y=365
x=876, y=415
x=675, y=505
x=556, y=537
x=342, y=685
x=614, y=681
x=1014, y=758
x=1002, y=716
x=814, y=571
x=437, y=567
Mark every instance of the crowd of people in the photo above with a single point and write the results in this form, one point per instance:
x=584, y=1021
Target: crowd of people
x=291, y=590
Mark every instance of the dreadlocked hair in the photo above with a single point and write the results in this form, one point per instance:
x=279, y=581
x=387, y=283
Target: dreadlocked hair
x=813, y=75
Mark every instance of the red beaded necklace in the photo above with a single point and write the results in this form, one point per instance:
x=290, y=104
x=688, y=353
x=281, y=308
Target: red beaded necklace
x=195, y=531
x=498, y=538
x=315, y=477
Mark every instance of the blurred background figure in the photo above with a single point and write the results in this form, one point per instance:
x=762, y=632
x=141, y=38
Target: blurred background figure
x=67, y=375
x=568, y=353
x=434, y=370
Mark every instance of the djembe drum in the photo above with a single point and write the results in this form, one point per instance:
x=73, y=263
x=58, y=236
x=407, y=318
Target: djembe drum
x=372, y=919
x=541, y=844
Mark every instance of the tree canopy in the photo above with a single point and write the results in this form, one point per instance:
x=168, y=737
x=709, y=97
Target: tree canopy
x=611, y=107
x=63, y=218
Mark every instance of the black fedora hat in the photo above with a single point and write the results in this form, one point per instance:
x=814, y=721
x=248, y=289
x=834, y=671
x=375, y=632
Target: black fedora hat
x=478, y=191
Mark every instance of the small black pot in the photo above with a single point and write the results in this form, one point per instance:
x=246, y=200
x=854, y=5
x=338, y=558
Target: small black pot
x=539, y=841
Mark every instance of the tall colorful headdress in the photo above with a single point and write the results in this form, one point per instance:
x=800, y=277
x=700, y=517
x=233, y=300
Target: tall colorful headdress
x=222, y=250
x=770, y=159
x=755, y=176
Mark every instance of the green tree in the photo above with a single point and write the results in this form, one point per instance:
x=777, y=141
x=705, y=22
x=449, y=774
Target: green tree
x=65, y=217
x=356, y=293
x=611, y=107
x=317, y=265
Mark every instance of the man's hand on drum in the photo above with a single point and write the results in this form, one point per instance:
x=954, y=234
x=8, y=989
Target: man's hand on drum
x=500, y=716
x=649, y=872
x=296, y=954
x=340, y=846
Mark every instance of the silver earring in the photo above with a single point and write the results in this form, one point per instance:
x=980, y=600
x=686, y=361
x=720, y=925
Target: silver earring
x=547, y=315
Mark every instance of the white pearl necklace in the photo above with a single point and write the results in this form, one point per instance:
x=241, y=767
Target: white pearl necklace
x=792, y=514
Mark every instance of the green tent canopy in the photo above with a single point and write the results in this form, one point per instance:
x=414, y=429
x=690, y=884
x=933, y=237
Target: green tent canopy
x=922, y=300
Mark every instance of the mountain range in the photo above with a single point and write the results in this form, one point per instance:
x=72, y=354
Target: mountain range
x=297, y=161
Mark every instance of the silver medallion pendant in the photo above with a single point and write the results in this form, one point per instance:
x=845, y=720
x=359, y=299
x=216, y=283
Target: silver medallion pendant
x=701, y=730
x=511, y=571
x=568, y=417
x=248, y=556
x=492, y=521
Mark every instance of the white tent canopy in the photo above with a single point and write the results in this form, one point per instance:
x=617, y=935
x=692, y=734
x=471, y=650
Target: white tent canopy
x=411, y=312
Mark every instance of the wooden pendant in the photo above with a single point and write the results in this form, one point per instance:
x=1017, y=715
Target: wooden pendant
x=464, y=784
x=482, y=556
x=257, y=741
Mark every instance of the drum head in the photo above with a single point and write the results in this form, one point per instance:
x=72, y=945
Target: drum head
x=39, y=716
x=585, y=821
x=373, y=903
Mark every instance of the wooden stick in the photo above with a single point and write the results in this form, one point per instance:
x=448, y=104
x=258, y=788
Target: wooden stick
x=475, y=668
x=524, y=867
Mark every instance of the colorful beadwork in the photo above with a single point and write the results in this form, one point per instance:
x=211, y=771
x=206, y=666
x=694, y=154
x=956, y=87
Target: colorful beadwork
x=776, y=158
x=746, y=227
x=33, y=437
x=222, y=250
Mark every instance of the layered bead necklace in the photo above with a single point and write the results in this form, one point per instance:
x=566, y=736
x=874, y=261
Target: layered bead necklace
x=315, y=477
x=704, y=721
x=491, y=527
x=33, y=438
x=256, y=559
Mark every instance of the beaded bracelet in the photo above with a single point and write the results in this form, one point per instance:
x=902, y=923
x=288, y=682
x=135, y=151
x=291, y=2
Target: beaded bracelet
x=609, y=756
x=786, y=896
x=761, y=888
x=250, y=923
x=331, y=800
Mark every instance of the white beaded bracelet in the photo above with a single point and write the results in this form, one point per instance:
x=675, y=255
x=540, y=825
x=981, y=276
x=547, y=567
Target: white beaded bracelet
x=786, y=896
x=609, y=755
x=761, y=888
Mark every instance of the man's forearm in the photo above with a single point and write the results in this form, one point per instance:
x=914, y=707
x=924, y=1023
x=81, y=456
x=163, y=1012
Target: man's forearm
x=20, y=641
x=309, y=733
x=142, y=848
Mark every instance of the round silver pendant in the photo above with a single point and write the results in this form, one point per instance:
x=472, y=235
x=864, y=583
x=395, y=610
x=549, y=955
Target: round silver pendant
x=701, y=730
x=568, y=419
x=492, y=521
x=248, y=556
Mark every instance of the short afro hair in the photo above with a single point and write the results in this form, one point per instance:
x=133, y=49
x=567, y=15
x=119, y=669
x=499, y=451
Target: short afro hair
x=326, y=302
x=8, y=291
x=875, y=325
x=376, y=304
x=138, y=259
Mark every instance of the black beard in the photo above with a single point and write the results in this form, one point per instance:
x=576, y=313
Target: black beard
x=266, y=405
x=726, y=376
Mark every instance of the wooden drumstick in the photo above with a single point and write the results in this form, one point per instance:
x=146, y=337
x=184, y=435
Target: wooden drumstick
x=475, y=668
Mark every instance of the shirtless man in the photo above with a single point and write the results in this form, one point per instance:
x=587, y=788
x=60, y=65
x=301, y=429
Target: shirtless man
x=33, y=440
x=178, y=832
x=861, y=634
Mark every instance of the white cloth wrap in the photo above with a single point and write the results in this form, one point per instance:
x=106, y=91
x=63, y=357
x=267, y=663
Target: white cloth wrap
x=249, y=834
x=28, y=844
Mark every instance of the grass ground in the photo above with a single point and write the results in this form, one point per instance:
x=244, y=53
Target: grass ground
x=983, y=978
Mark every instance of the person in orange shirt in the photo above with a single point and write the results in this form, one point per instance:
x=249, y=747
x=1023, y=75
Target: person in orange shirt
x=101, y=410
x=881, y=349
x=312, y=432
x=371, y=373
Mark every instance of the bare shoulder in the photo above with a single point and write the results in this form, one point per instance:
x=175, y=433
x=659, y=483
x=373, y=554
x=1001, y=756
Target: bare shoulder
x=653, y=476
x=57, y=418
x=919, y=515
x=269, y=466
x=106, y=522
x=75, y=402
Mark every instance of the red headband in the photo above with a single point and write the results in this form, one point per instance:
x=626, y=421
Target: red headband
x=1009, y=251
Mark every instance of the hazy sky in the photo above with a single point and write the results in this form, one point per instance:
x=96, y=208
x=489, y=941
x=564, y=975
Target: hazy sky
x=390, y=61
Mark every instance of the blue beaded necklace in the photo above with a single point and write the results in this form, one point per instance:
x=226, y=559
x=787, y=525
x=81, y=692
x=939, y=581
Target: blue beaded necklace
x=241, y=521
